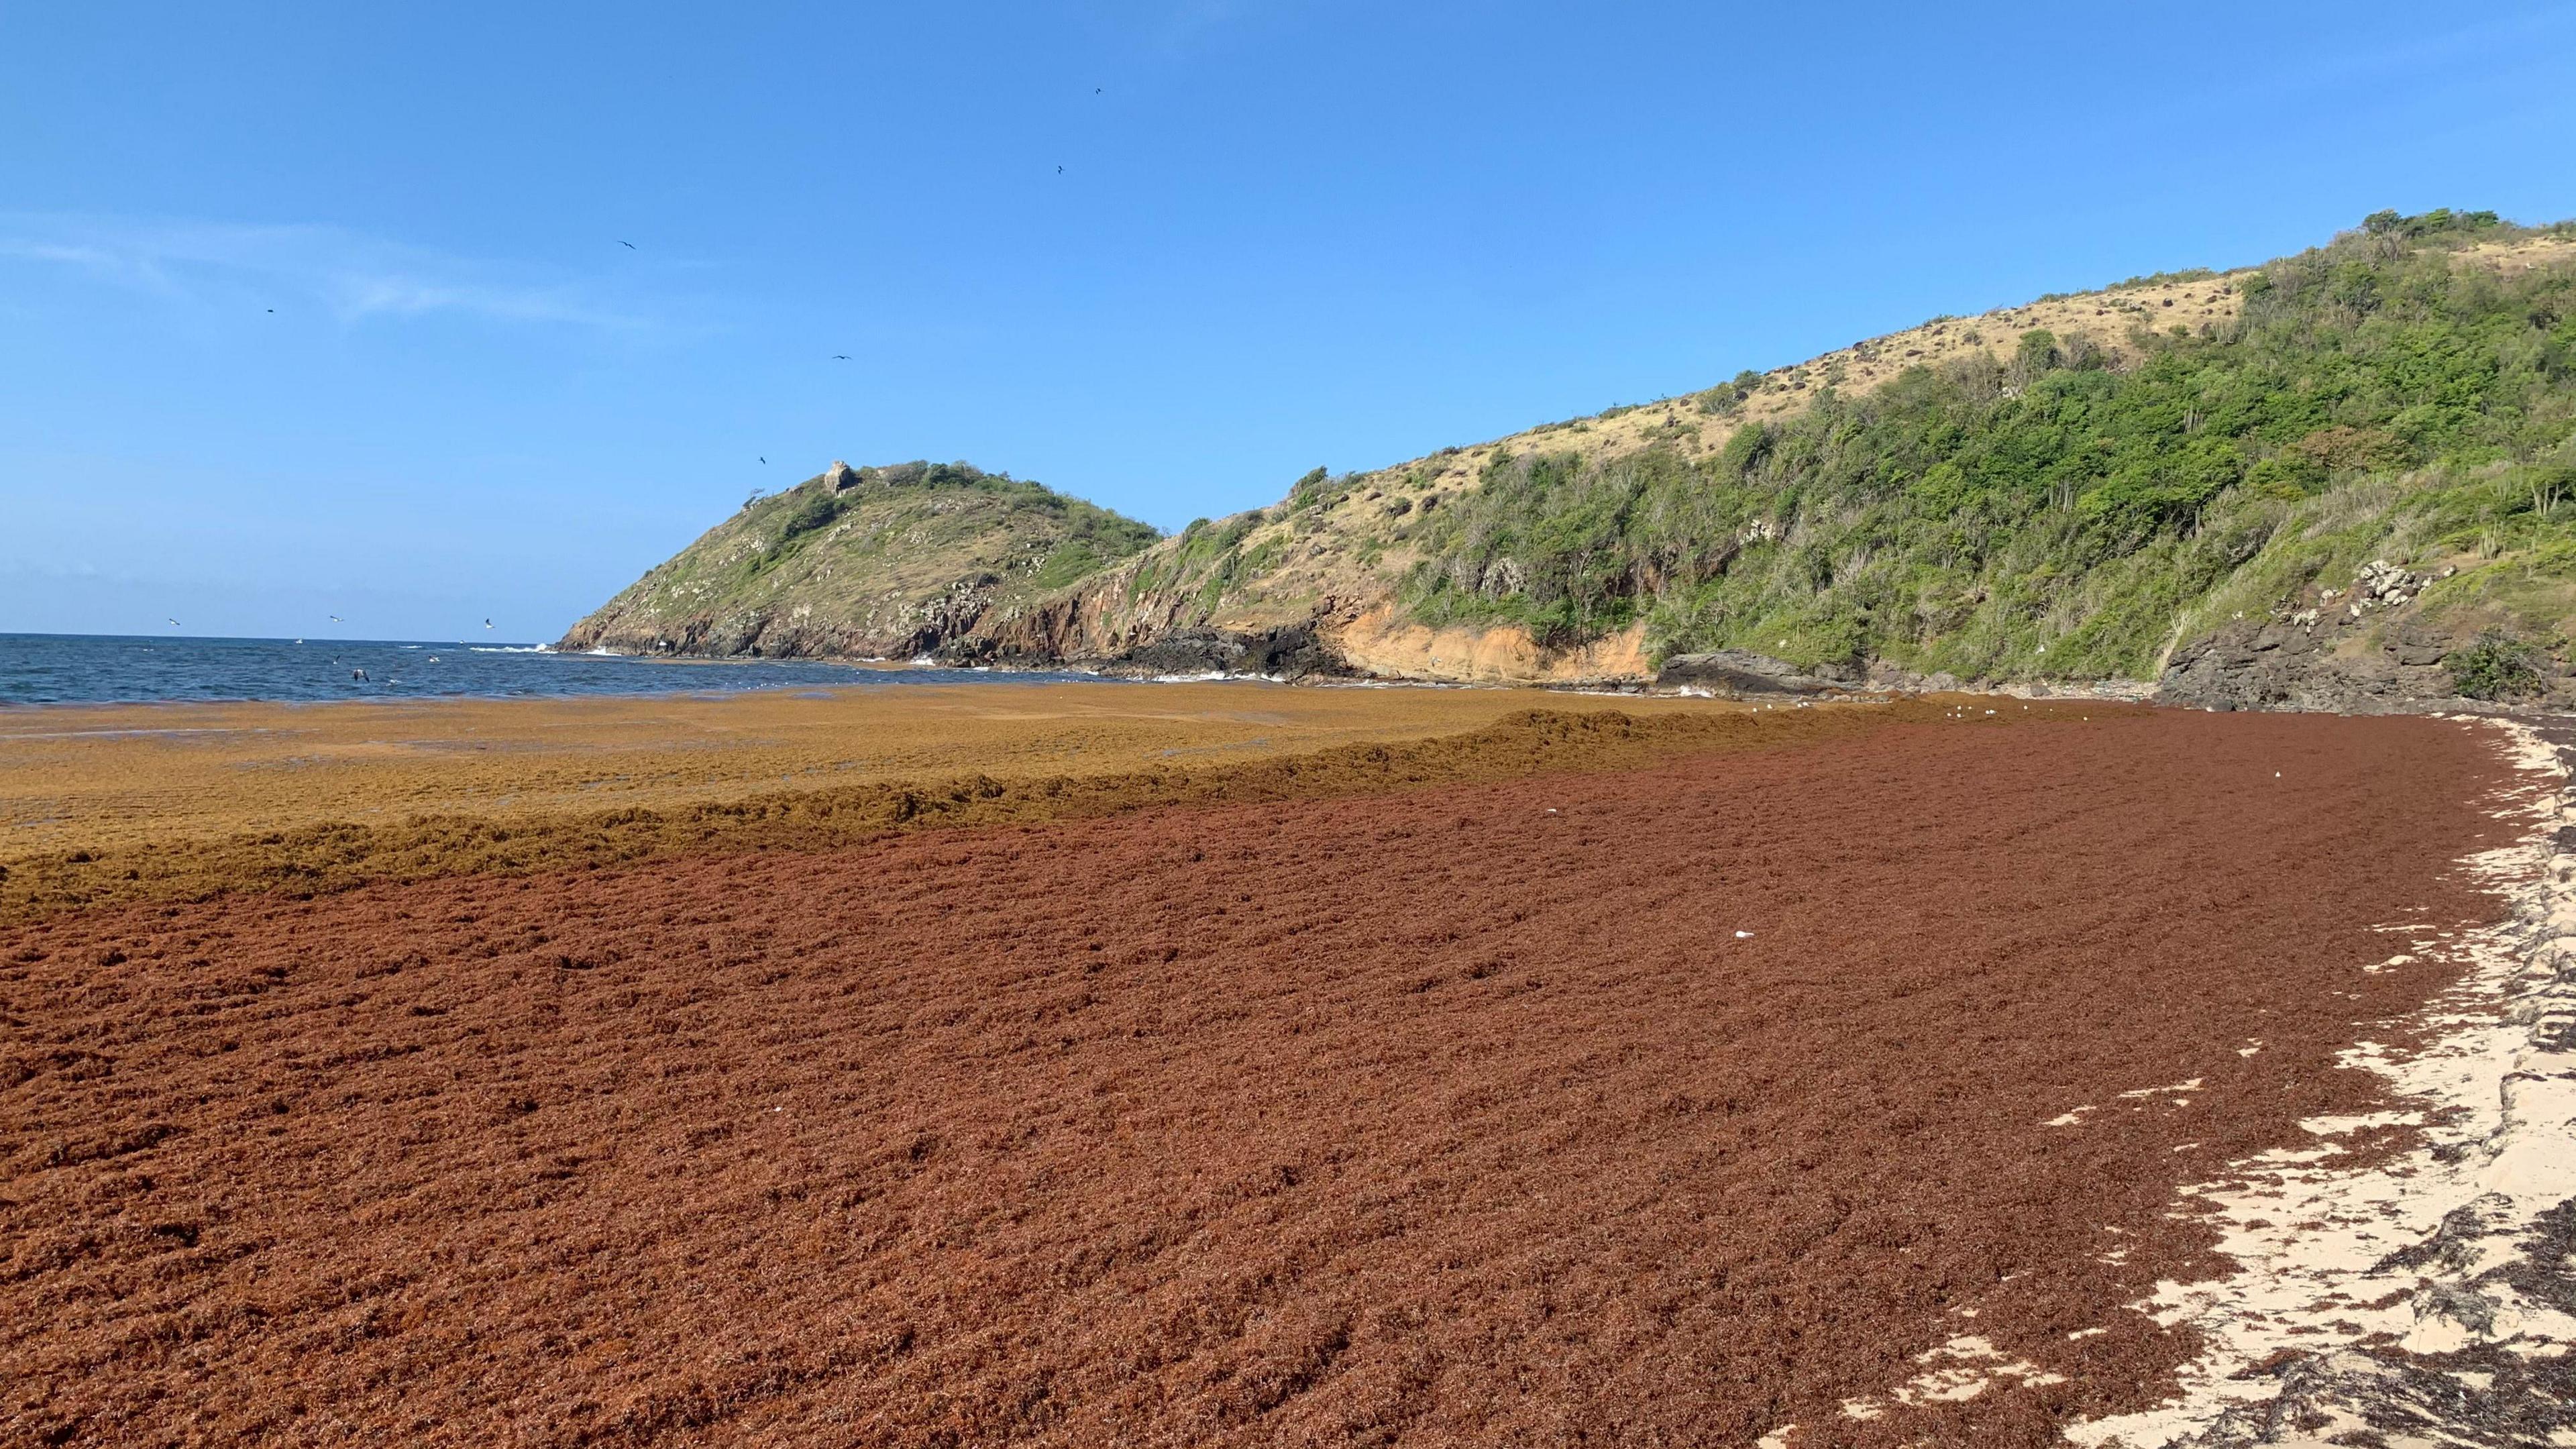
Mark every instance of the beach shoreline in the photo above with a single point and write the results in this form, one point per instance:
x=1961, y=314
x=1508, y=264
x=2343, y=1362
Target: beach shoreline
x=1856, y=1054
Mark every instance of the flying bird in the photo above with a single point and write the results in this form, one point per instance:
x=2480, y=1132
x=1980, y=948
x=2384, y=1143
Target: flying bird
x=630, y=246
x=840, y=357
x=173, y=623
x=487, y=623
x=1059, y=171
x=1095, y=90
x=764, y=460
x=335, y=618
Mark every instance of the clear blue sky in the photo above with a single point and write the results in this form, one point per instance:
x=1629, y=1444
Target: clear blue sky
x=1285, y=234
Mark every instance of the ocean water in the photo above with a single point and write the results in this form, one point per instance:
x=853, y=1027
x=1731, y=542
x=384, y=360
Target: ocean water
x=101, y=669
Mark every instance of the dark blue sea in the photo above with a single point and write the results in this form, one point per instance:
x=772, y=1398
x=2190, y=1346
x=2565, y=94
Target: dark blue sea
x=102, y=669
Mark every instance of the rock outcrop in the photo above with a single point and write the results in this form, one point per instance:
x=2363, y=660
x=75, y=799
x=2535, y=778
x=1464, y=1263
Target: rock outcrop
x=1741, y=672
x=2354, y=650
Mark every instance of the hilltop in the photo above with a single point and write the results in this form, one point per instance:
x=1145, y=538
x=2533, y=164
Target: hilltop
x=2338, y=477
x=874, y=563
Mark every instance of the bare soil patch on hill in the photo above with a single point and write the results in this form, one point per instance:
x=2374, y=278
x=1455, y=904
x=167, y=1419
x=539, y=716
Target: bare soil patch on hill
x=1665, y=1105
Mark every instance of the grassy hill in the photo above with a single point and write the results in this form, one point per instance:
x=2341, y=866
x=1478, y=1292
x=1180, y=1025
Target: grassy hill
x=862, y=562
x=2063, y=504
x=2073, y=490
x=2341, y=474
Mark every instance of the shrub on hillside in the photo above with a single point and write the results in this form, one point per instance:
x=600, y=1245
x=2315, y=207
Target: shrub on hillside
x=2495, y=668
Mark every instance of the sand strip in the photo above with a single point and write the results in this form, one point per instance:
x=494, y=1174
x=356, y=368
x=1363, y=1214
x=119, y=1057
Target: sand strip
x=2428, y=1296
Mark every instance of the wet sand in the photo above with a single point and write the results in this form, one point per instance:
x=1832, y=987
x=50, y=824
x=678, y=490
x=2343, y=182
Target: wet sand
x=1460, y=1113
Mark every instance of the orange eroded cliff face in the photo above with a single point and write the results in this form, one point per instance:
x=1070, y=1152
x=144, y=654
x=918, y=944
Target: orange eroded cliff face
x=1382, y=642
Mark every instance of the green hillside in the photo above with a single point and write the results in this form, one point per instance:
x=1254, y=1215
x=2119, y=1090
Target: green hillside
x=2339, y=477
x=862, y=562
x=2064, y=507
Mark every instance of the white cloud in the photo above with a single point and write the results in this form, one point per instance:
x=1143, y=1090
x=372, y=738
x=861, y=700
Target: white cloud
x=353, y=276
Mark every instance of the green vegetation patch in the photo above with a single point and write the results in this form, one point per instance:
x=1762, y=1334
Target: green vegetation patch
x=2496, y=668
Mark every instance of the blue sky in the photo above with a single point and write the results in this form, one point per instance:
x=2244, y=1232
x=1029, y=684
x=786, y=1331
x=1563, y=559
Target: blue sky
x=1284, y=235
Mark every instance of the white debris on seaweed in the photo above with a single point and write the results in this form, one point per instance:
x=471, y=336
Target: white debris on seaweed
x=2426, y=1294
x=2176, y=1089
x=1957, y=1371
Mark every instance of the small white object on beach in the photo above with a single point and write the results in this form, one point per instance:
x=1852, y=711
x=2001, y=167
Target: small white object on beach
x=1744, y=935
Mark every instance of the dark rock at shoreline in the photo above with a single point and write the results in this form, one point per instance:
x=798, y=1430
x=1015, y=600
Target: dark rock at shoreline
x=1741, y=671
x=1287, y=653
